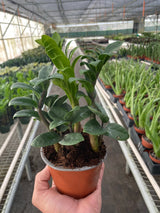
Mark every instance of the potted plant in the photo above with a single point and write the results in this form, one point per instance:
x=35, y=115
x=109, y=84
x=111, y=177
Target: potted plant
x=152, y=134
x=69, y=149
x=115, y=79
x=107, y=70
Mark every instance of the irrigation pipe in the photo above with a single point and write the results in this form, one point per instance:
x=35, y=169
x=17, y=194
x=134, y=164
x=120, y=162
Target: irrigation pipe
x=140, y=182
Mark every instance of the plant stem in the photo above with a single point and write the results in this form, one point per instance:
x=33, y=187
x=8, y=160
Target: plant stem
x=77, y=127
x=94, y=141
x=56, y=147
x=40, y=105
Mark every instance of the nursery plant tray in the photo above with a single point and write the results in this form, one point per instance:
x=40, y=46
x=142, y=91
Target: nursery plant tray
x=109, y=92
x=153, y=167
x=136, y=139
x=127, y=121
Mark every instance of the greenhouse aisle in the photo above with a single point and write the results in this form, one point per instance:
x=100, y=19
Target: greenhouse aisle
x=120, y=193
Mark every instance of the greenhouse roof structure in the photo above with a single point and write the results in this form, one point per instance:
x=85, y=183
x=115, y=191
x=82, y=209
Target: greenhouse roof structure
x=65, y=12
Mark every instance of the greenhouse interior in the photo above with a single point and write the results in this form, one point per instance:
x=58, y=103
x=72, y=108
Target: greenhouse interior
x=80, y=106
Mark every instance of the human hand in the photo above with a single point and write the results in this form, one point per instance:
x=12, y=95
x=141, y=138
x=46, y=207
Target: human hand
x=48, y=200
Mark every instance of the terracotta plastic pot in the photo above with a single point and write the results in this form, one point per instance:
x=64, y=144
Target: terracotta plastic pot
x=108, y=87
x=130, y=116
x=139, y=131
x=155, y=160
x=146, y=144
x=118, y=96
x=121, y=101
x=126, y=109
x=77, y=183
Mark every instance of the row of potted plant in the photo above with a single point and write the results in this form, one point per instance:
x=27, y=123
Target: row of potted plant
x=27, y=57
x=9, y=75
x=149, y=52
x=138, y=89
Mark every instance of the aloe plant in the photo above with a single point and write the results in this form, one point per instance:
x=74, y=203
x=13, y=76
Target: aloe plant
x=107, y=72
x=115, y=76
x=152, y=128
x=64, y=115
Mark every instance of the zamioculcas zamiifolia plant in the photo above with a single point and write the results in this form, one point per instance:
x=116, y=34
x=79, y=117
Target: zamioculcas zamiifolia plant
x=66, y=137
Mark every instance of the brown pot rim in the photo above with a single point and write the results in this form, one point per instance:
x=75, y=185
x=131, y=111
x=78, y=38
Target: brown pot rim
x=61, y=168
x=121, y=101
x=108, y=86
x=153, y=159
x=130, y=116
x=118, y=96
x=138, y=130
x=146, y=144
x=126, y=109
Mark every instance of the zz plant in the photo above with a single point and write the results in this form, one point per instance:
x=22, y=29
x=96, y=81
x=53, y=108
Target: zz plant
x=64, y=114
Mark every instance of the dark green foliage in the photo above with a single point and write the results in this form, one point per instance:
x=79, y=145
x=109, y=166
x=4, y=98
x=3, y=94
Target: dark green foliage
x=34, y=55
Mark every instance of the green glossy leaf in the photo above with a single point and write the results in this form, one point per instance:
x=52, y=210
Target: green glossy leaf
x=62, y=128
x=71, y=139
x=104, y=57
x=55, y=53
x=67, y=72
x=72, y=52
x=56, y=122
x=88, y=57
x=67, y=47
x=95, y=63
x=46, y=139
x=26, y=113
x=44, y=72
x=50, y=100
x=75, y=61
x=82, y=94
x=23, y=101
x=39, y=41
x=56, y=37
x=102, y=116
x=117, y=132
x=23, y=86
x=86, y=84
x=60, y=100
x=93, y=127
x=58, y=111
x=113, y=47
x=77, y=114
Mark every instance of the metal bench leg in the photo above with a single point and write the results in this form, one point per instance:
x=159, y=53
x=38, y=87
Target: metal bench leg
x=27, y=165
x=28, y=170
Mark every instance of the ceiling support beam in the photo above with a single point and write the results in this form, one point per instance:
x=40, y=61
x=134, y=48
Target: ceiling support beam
x=62, y=12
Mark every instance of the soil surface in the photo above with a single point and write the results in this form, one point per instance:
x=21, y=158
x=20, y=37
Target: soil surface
x=75, y=156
